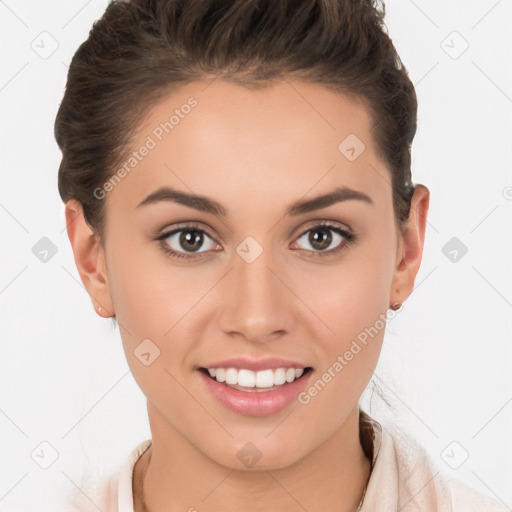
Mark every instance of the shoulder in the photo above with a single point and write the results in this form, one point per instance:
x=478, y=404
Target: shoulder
x=95, y=493
x=425, y=481
x=110, y=492
x=405, y=477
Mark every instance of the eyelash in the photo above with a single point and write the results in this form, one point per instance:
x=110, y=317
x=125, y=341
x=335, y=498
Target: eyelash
x=349, y=239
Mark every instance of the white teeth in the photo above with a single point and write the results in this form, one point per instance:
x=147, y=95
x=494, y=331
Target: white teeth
x=231, y=376
x=260, y=379
x=245, y=378
x=264, y=379
x=290, y=375
x=279, y=376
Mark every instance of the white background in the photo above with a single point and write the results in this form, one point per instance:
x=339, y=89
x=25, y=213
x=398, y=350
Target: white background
x=446, y=365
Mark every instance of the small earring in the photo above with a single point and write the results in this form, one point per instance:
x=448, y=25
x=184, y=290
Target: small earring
x=396, y=306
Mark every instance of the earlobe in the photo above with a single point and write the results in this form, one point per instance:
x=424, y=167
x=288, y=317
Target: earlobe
x=89, y=258
x=412, y=241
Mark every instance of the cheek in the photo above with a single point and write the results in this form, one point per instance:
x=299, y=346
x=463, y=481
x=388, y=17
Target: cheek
x=155, y=299
x=351, y=301
x=367, y=277
x=141, y=294
x=349, y=354
x=352, y=295
x=141, y=282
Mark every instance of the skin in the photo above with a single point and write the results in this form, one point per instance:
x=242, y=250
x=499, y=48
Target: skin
x=255, y=152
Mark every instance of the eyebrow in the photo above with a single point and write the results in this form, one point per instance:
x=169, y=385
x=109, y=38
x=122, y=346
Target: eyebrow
x=208, y=205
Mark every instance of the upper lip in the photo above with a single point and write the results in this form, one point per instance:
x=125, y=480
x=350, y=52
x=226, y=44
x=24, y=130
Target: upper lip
x=265, y=363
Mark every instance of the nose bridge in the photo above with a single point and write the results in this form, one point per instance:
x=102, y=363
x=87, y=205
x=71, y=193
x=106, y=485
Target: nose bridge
x=257, y=304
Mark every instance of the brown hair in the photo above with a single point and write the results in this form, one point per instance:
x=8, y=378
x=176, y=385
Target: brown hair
x=139, y=50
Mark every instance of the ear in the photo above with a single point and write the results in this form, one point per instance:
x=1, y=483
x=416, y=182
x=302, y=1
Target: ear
x=410, y=249
x=89, y=258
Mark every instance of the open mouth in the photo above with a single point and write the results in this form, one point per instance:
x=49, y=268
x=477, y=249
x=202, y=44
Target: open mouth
x=261, y=381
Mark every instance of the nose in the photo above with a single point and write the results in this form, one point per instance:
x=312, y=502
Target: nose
x=257, y=304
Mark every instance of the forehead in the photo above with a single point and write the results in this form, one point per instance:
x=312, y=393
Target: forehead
x=220, y=139
x=226, y=110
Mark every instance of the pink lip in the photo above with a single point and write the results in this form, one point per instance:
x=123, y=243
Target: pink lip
x=256, y=403
x=255, y=364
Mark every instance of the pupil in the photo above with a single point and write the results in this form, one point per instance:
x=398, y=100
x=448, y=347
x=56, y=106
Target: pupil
x=193, y=238
x=320, y=242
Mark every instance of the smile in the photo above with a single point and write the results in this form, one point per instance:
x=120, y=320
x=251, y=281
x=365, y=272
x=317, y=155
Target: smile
x=255, y=393
x=248, y=380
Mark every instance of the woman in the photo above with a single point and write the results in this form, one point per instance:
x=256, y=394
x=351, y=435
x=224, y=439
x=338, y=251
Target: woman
x=237, y=180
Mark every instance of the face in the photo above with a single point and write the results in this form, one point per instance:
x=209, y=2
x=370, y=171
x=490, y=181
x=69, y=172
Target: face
x=255, y=269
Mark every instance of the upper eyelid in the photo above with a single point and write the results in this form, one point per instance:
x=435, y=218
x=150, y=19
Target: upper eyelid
x=327, y=224
x=191, y=226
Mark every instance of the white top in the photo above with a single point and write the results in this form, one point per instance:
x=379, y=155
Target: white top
x=403, y=478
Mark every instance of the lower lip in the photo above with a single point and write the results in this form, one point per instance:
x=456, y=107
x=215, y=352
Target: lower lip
x=256, y=403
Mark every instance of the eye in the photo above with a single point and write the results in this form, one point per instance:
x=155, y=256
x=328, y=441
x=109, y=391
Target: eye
x=186, y=242
x=326, y=238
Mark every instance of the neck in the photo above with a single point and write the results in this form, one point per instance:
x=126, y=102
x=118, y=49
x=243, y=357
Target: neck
x=177, y=476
